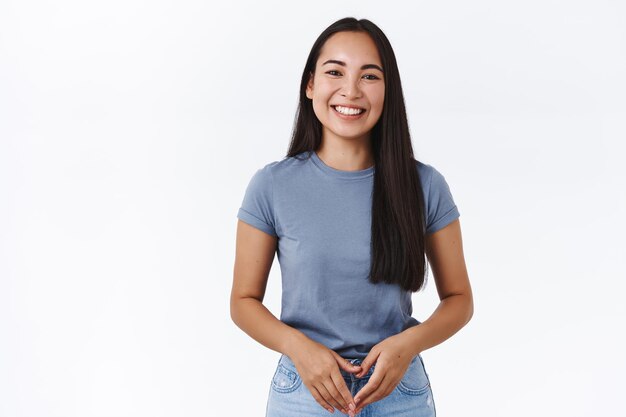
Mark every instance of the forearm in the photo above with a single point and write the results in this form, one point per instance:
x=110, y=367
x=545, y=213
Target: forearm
x=251, y=316
x=452, y=314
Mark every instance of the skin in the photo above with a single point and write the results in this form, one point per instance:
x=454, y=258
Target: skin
x=444, y=251
x=346, y=143
x=346, y=146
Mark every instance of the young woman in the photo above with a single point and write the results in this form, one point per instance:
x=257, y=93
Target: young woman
x=352, y=216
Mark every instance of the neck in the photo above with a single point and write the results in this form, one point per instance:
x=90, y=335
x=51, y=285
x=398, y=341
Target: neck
x=346, y=155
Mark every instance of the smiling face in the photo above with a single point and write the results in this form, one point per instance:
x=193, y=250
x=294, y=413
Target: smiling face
x=348, y=88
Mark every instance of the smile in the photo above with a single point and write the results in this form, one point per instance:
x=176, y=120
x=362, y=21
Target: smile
x=350, y=112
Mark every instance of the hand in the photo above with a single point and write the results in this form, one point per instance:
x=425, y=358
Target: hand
x=318, y=367
x=392, y=359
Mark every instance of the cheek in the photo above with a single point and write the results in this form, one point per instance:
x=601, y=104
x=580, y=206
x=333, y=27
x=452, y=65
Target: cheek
x=376, y=97
x=319, y=93
x=379, y=99
x=320, y=108
x=324, y=92
x=377, y=102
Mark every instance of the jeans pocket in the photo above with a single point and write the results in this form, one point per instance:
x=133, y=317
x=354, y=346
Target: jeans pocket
x=415, y=381
x=285, y=379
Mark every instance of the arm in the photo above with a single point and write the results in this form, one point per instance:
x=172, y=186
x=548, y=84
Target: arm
x=320, y=371
x=444, y=250
x=253, y=260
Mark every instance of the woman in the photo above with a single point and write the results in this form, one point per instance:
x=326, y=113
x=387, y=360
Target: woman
x=352, y=215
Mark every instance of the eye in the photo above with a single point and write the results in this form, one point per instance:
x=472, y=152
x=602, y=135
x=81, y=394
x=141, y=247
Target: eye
x=331, y=71
x=371, y=75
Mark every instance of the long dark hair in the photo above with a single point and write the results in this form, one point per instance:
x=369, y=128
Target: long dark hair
x=398, y=219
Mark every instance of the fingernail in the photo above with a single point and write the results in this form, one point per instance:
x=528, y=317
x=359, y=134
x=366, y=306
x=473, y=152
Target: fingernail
x=352, y=406
x=356, y=400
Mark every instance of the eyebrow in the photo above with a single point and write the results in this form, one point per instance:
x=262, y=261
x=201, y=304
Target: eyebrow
x=366, y=66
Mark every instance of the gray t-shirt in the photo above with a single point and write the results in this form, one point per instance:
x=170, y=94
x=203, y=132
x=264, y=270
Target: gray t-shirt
x=322, y=218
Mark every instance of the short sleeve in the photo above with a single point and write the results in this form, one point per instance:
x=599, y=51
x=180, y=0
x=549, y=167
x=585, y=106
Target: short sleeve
x=442, y=209
x=257, y=207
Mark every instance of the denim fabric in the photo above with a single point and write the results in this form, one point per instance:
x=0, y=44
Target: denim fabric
x=289, y=397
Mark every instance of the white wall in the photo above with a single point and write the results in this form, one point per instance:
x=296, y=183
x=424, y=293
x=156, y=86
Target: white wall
x=128, y=133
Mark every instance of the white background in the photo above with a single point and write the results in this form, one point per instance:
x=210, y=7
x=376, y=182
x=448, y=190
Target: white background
x=130, y=129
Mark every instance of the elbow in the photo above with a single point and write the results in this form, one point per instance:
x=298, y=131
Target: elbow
x=233, y=315
x=470, y=309
x=464, y=306
x=239, y=306
x=234, y=308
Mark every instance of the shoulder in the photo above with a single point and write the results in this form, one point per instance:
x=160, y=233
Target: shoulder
x=285, y=167
x=426, y=173
x=285, y=164
x=432, y=180
x=440, y=205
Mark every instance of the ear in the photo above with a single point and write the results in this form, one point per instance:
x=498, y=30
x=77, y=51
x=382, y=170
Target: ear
x=309, y=87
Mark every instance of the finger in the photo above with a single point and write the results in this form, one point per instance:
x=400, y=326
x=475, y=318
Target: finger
x=370, y=387
x=325, y=389
x=320, y=400
x=343, y=391
x=346, y=365
x=379, y=393
x=352, y=368
x=367, y=363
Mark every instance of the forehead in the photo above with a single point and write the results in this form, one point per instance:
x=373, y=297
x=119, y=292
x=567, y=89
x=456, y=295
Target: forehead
x=351, y=47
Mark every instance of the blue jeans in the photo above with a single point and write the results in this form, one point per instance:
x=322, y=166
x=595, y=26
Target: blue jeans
x=289, y=397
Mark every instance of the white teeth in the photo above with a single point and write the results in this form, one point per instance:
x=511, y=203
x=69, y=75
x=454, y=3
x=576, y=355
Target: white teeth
x=348, y=110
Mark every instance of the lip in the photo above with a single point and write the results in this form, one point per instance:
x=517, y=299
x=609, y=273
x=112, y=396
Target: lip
x=348, y=106
x=348, y=116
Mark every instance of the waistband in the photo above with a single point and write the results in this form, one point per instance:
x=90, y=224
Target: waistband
x=285, y=360
x=357, y=362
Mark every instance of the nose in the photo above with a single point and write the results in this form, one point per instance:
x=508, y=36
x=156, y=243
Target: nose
x=351, y=88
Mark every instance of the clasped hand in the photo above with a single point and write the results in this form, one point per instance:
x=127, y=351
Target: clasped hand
x=392, y=359
x=319, y=366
